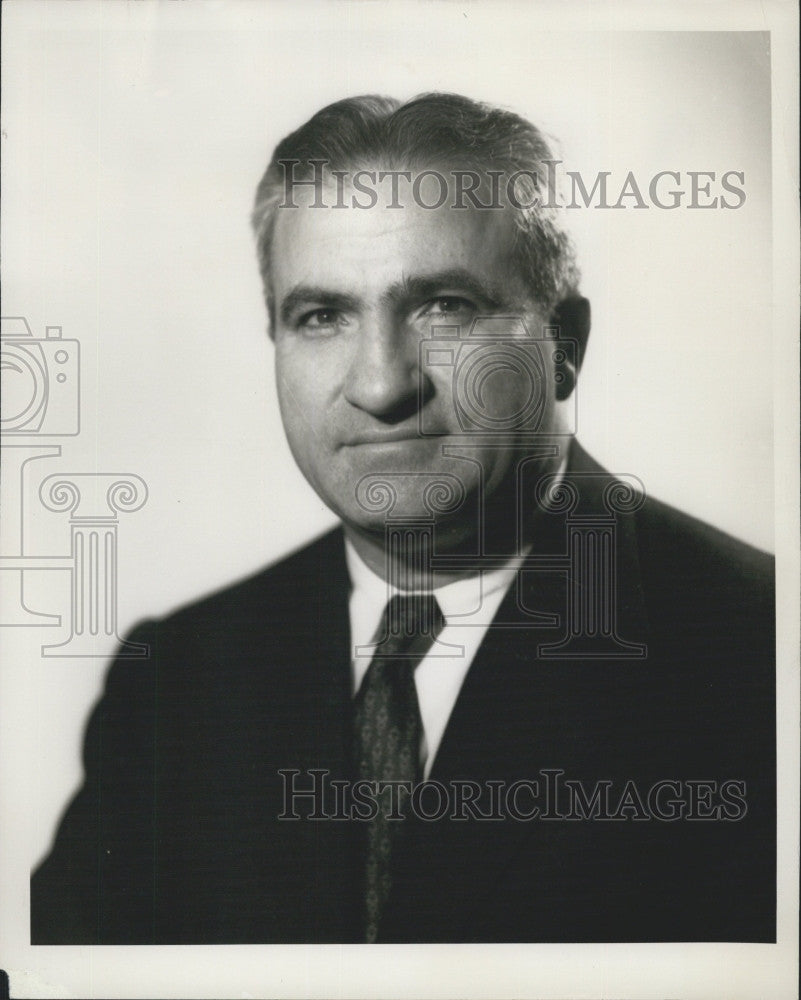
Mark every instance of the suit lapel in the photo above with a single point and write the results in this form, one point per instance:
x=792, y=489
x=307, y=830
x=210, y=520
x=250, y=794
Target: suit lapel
x=519, y=712
x=313, y=860
x=517, y=645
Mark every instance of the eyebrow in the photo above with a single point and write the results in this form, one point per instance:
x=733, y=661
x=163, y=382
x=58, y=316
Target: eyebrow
x=414, y=287
x=427, y=285
x=304, y=295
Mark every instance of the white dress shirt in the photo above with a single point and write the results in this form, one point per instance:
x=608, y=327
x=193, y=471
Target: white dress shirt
x=468, y=606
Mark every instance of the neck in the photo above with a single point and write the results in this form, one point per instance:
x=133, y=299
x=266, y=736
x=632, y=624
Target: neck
x=406, y=570
x=407, y=564
x=405, y=561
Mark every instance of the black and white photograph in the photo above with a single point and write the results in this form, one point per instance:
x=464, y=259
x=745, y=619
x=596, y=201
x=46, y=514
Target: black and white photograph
x=399, y=550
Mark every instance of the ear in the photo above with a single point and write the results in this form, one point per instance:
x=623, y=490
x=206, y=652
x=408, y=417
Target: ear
x=572, y=317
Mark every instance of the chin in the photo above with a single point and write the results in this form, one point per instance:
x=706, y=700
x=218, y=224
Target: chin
x=402, y=532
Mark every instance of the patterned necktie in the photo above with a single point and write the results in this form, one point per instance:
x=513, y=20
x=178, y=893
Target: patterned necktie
x=387, y=731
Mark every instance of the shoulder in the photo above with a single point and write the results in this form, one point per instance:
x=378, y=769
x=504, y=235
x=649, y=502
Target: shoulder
x=697, y=581
x=245, y=630
x=271, y=593
x=686, y=550
x=705, y=590
x=683, y=549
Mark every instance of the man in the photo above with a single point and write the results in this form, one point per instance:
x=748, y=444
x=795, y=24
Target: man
x=511, y=699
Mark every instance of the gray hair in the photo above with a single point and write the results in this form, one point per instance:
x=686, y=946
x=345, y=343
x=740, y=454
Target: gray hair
x=432, y=129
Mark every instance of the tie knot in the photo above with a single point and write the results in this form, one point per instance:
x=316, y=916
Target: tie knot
x=410, y=624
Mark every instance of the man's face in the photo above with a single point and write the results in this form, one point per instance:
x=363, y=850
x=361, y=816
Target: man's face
x=355, y=293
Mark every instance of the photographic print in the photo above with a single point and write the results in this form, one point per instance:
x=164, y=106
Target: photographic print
x=398, y=431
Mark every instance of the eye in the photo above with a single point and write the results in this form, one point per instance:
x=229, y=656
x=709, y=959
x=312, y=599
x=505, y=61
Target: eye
x=449, y=305
x=320, y=319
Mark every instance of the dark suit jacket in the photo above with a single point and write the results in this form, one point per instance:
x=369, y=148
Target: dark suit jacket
x=174, y=836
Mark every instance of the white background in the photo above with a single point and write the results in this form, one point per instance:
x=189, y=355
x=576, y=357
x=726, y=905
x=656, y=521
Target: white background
x=133, y=138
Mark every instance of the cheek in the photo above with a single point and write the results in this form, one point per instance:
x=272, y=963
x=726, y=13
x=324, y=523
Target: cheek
x=299, y=416
x=303, y=391
x=496, y=392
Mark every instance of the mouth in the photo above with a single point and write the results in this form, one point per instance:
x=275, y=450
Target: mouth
x=390, y=436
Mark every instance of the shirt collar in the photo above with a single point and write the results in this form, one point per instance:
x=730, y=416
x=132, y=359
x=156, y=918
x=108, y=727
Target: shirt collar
x=459, y=599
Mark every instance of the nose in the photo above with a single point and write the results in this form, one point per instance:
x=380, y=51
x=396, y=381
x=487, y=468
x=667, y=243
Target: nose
x=384, y=375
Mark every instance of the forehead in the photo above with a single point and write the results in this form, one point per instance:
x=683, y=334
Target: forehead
x=373, y=247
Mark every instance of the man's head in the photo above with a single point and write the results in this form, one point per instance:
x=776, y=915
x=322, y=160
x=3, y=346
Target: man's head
x=413, y=218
